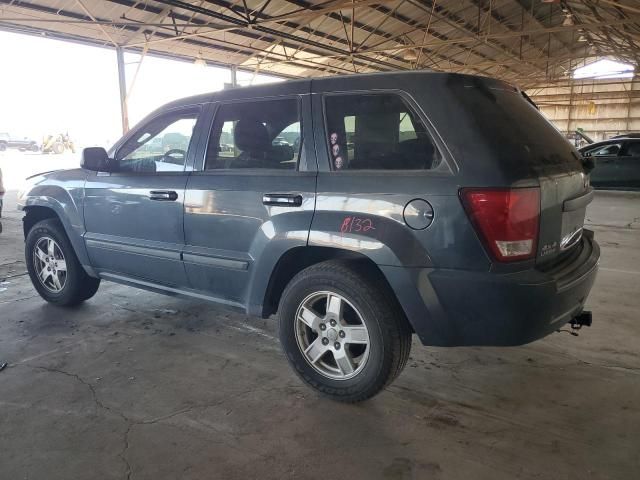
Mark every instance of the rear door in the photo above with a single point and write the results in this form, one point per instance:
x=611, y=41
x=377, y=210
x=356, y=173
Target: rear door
x=254, y=196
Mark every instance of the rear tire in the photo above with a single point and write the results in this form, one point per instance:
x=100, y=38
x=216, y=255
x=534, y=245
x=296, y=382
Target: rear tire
x=334, y=310
x=53, y=266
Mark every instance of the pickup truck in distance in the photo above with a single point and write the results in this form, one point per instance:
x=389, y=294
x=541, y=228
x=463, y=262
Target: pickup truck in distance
x=23, y=144
x=375, y=220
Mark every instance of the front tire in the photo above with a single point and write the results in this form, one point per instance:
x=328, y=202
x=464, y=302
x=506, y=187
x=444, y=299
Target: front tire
x=54, y=268
x=342, y=332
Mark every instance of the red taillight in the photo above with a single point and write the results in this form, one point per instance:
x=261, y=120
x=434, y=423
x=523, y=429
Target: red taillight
x=506, y=219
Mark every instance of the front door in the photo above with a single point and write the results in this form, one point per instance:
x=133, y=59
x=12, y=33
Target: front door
x=252, y=199
x=134, y=215
x=605, y=171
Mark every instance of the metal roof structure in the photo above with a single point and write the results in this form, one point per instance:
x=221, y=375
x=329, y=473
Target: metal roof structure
x=527, y=42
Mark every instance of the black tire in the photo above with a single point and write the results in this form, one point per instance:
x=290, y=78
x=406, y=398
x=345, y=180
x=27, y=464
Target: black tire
x=3, y=146
x=78, y=286
x=388, y=330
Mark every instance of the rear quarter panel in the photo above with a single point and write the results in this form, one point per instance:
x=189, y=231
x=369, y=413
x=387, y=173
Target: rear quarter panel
x=379, y=197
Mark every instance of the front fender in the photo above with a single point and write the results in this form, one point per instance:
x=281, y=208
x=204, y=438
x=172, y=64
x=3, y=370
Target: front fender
x=63, y=193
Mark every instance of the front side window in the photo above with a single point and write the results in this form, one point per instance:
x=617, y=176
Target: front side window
x=264, y=134
x=610, y=149
x=159, y=146
x=377, y=132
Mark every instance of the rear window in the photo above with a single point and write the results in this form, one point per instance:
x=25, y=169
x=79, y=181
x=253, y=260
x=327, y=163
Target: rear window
x=377, y=132
x=520, y=137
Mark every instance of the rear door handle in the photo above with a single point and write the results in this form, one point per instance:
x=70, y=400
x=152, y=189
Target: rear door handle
x=282, y=199
x=163, y=195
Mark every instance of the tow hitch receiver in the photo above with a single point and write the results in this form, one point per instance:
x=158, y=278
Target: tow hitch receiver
x=581, y=320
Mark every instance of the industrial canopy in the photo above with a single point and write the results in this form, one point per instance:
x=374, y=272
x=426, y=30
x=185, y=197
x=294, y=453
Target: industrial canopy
x=528, y=42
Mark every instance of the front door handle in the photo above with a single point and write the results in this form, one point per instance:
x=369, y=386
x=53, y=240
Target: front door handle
x=282, y=199
x=163, y=195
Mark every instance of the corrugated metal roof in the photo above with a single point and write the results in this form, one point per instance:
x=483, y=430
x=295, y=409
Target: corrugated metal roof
x=523, y=41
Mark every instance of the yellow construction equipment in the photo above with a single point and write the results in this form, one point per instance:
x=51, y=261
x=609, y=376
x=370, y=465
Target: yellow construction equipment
x=57, y=144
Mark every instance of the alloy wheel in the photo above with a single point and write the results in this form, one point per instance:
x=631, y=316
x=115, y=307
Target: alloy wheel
x=50, y=264
x=332, y=335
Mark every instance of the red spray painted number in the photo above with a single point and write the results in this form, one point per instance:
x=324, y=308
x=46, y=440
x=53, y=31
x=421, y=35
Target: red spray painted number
x=356, y=224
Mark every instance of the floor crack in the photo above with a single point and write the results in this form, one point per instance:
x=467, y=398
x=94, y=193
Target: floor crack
x=129, y=422
x=123, y=453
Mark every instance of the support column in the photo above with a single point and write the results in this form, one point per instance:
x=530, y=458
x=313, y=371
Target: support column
x=569, y=114
x=122, y=82
x=234, y=76
x=628, y=121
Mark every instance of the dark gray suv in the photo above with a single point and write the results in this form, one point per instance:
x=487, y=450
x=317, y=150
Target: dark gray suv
x=361, y=209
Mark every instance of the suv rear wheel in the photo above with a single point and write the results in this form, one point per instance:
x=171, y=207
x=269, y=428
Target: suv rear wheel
x=342, y=333
x=54, y=268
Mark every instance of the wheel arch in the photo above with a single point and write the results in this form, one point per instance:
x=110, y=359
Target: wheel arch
x=296, y=259
x=36, y=212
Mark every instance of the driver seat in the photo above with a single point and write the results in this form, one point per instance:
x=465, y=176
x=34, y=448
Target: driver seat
x=252, y=139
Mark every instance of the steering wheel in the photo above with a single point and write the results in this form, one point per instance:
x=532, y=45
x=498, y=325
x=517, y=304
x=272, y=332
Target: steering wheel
x=175, y=155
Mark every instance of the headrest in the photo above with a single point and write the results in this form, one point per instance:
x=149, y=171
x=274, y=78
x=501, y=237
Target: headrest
x=251, y=136
x=418, y=152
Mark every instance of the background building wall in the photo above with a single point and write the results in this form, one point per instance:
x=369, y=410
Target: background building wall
x=601, y=108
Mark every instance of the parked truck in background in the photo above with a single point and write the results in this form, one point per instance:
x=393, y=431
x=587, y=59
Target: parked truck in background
x=23, y=144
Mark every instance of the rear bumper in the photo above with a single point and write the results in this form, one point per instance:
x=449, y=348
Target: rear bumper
x=457, y=307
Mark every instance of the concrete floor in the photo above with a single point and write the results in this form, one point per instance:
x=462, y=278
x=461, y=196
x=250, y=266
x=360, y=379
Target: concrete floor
x=142, y=386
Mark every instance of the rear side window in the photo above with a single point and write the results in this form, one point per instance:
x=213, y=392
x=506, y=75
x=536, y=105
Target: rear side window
x=377, y=132
x=264, y=134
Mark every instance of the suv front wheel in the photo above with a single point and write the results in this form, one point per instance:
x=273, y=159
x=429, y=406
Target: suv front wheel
x=54, y=268
x=342, y=332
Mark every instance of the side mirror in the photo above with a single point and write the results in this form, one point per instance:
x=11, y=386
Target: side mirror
x=95, y=159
